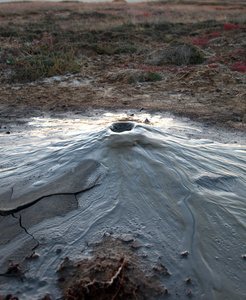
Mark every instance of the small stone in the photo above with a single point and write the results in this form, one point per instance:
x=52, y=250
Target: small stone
x=61, y=279
x=136, y=244
x=46, y=297
x=165, y=270
x=58, y=250
x=107, y=234
x=185, y=253
x=34, y=255
x=10, y=297
x=127, y=238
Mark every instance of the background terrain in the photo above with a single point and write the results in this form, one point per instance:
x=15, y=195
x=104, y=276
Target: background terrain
x=183, y=57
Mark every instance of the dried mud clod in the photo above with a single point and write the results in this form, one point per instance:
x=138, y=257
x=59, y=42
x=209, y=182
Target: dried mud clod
x=9, y=297
x=46, y=297
x=162, y=269
x=185, y=254
x=113, y=273
x=15, y=271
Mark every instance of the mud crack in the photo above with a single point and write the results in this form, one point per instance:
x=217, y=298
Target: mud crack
x=20, y=223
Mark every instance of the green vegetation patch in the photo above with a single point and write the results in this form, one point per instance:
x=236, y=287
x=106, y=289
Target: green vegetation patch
x=38, y=66
x=177, y=54
x=125, y=49
x=101, y=50
x=144, y=76
x=164, y=26
x=112, y=50
x=87, y=15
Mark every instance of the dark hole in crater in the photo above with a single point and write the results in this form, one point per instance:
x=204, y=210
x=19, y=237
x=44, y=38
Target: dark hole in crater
x=121, y=126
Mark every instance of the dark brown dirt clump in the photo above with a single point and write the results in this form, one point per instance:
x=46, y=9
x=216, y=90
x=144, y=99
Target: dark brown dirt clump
x=112, y=273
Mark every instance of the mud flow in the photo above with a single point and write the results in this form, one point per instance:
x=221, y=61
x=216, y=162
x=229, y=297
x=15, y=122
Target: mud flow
x=109, y=205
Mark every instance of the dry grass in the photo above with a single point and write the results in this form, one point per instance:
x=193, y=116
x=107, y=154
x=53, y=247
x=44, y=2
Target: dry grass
x=125, y=12
x=193, y=48
x=79, y=30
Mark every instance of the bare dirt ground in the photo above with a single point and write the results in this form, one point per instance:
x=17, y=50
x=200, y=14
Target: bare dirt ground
x=188, y=59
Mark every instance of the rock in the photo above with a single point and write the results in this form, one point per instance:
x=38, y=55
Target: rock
x=185, y=253
x=126, y=238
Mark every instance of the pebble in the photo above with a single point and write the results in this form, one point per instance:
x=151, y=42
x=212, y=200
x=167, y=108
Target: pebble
x=185, y=253
x=58, y=250
x=127, y=238
x=136, y=244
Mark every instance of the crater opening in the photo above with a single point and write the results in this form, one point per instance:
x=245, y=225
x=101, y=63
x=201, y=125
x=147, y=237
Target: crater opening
x=122, y=126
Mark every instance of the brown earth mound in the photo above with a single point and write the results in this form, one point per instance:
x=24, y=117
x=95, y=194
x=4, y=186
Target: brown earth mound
x=112, y=273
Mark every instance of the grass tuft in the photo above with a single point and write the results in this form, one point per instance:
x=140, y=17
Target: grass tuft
x=111, y=50
x=37, y=66
x=144, y=76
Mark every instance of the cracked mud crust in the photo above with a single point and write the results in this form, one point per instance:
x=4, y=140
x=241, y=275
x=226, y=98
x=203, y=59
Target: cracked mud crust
x=117, y=61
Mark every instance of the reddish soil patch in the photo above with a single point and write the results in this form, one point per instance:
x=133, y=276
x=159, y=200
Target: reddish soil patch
x=112, y=273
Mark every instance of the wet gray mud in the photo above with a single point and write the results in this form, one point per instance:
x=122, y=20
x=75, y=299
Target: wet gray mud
x=170, y=191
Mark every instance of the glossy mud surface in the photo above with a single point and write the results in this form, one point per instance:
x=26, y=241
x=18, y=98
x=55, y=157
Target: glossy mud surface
x=165, y=187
